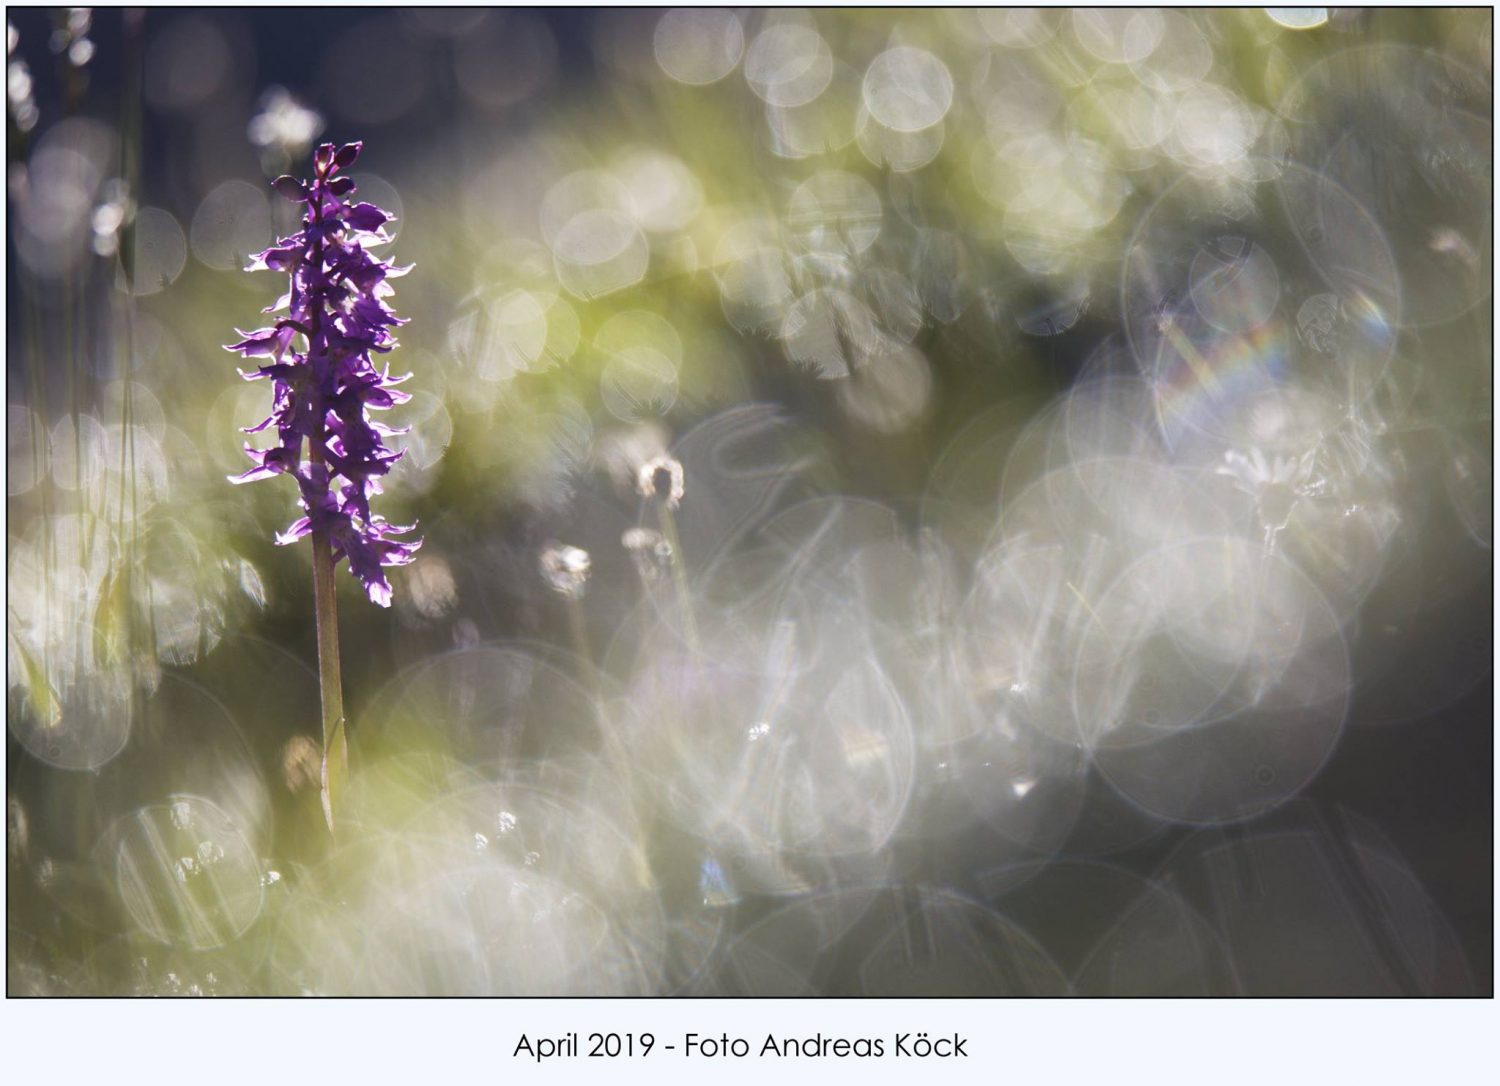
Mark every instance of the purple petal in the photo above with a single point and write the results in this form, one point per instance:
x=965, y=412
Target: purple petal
x=366, y=217
x=295, y=531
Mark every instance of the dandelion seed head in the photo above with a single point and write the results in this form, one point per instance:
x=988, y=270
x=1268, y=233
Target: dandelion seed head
x=662, y=477
x=565, y=569
x=649, y=550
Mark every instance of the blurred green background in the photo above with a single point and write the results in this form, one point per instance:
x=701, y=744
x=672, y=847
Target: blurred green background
x=808, y=254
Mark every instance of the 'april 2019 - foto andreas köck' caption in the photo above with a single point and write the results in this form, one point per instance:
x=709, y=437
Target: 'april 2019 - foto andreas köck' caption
x=917, y=1044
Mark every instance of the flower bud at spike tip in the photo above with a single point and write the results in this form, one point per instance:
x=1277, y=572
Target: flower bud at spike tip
x=325, y=383
x=290, y=187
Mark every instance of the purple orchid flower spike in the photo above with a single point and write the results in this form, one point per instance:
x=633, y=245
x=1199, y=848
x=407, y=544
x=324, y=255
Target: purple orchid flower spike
x=319, y=358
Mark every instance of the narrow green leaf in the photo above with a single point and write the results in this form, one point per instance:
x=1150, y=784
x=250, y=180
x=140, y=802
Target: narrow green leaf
x=110, y=621
x=43, y=698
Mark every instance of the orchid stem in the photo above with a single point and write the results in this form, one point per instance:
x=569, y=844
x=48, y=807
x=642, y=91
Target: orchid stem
x=330, y=682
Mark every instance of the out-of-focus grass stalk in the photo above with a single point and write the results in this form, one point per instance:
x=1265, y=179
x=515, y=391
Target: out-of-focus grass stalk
x=614, y=751
x=139, y=644
x=616, y=758
x=679, y=572
x=44, y=699
x=579, y=634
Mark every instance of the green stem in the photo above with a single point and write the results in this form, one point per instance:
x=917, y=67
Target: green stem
x=579, y=633
x=335, y=747
x=615, y=756
x=679, y=572
x=330, y=682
